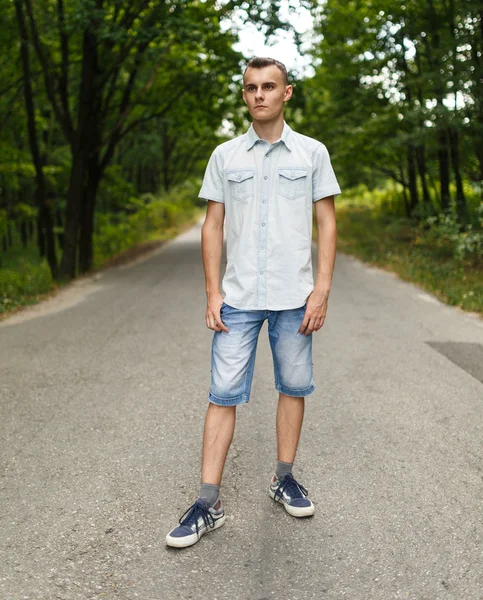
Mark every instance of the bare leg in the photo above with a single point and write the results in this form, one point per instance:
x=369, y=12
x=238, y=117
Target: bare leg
x=217, y=437
x=290, y=415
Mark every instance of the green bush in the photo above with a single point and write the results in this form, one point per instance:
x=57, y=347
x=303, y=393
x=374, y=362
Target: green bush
x=24, y=276
x=27, y=281
x=444, y=230
x=145, y=218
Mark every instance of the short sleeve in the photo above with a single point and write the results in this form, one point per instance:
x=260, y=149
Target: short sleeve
x=212, y=187
x=324, y=181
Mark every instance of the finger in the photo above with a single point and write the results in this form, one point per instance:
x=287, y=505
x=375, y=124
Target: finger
x=221, y=325
x=318, y=325
x=217, y=323
x=211, y=323
x=304, y=325
x=310, y=326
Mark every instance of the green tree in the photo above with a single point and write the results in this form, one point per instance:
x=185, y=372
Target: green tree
x=100, y=63
x=394, y=90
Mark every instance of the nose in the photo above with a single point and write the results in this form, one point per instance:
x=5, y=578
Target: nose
x=259, y=94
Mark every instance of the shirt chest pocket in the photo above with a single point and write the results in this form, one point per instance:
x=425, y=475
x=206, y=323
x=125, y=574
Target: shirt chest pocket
x=241, y=182
x=292, y=183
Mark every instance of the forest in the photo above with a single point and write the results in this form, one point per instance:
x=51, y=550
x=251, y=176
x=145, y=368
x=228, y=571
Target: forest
x=110, y=110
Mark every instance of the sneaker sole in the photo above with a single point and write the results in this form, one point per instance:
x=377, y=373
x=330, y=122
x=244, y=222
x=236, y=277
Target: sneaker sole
x=189, y=540
x=294, y=511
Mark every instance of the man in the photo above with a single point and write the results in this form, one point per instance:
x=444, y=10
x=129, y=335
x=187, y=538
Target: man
x=265, y=183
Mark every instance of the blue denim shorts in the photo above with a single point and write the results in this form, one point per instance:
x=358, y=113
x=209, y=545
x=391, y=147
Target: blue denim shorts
x=233, y=354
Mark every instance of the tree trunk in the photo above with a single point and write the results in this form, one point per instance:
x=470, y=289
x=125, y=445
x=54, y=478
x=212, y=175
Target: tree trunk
x=436, y=64
x=45, y=217
x=405, y=195
x=72, y=215
x=9, y=234
x=166, y=153
x=60, y=225
x=23, y=233
x=455, y=160
x=30, y=230
x=453, y=136
x=443, y=169
x=93, y=177
x=413, y=188
x=80, y=153
x=87, y=222
x=40, y=237
x=421, y=149
x=421, y=159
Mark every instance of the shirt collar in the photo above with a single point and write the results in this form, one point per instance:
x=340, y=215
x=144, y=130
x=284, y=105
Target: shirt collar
x=286, y=137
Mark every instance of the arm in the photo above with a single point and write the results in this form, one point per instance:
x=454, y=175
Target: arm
x=326, y=248
x=211, y=249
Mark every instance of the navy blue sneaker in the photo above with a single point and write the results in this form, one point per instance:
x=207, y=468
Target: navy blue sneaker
x=292, y=495
x=199, y=519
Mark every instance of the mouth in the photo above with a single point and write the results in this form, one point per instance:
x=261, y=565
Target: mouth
x=261, y=106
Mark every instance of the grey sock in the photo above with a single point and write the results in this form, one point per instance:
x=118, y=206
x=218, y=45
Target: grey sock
x=283, y=468
x=210, y=491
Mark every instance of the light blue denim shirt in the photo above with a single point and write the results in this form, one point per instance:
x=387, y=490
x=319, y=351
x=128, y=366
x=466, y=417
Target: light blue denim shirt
x=268, y=191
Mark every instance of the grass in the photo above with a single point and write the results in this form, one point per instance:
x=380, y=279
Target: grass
x=25, y=278
x=393, y=244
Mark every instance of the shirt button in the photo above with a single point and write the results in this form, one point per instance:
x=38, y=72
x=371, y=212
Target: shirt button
x=263, y=201
x=266, y=155
x=266, y=177
x=263, y=224
x=261, y=272
x=239, y=176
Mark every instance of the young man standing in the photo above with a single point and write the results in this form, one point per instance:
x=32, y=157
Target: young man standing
x=265, y=184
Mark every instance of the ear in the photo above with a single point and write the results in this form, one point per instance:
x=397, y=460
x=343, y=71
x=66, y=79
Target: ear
x=244, y=96
x=288, y=93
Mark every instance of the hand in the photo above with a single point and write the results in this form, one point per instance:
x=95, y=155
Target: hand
x=212, y=315
x=315, y=312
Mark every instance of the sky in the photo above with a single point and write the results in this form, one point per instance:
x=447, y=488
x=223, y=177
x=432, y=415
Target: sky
x=252, y=42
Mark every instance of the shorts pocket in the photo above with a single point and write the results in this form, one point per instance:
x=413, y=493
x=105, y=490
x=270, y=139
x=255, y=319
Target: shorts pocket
x=292, y=183
x=241, y=183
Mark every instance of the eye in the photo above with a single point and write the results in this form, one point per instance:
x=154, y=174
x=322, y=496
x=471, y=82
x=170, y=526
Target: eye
x=269, y=86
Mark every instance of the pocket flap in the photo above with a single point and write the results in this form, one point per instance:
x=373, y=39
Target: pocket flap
x=239, y=176
x=293, y=173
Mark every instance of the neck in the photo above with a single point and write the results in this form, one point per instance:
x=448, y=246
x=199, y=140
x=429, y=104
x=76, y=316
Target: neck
x=271, y=130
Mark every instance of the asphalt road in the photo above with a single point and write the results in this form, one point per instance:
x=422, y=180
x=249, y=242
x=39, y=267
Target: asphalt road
x=102, y=401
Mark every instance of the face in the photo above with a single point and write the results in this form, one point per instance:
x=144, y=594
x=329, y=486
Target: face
x=265, y=92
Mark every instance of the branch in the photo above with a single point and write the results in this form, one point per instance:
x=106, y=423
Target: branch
x=64, y=80
x=128, y=18
x=392, y=174
x=136, y=122
x=9, y=109
x=49, y=79
x=114, y=74
x=118, y=135
x=124, y=51
x=12, y=85
x=126, y=107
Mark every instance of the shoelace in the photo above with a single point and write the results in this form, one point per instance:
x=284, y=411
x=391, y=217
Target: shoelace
x=291, y=487
x=196, y=511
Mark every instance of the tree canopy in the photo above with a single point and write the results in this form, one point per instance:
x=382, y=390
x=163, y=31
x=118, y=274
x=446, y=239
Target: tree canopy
x=397, y=93
x=97, y=90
